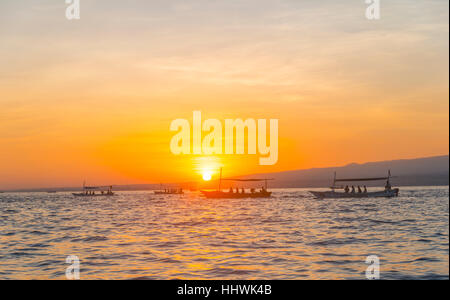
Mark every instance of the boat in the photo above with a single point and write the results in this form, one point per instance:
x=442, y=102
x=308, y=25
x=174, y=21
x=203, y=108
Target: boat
x=388, y=191
x=169, y=191
x=95, y=191
x=231, y=194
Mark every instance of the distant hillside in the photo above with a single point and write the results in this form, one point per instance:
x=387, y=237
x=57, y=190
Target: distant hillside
x=407, y=172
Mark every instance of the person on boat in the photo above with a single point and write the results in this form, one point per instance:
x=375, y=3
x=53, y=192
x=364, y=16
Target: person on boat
x=388, y=186
x=347, y=189
x=359, y=190
x=242, y=191
x=231, y=190
x=365, y=190
x=252, y=190
x=353, y=189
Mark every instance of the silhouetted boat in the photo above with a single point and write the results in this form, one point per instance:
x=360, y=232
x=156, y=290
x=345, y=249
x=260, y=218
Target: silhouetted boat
x=169, y=191
x=231, y=194
x=387, y=193
x=95, y=191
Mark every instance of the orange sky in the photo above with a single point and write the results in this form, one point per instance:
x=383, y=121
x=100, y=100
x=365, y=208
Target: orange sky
x=93, y=99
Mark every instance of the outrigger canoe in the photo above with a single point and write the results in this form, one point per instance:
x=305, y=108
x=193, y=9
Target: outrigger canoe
x=95, y=191
x=92, y=195
x=219, y=194
x=229, y=195
x=169, y=192
x=388, y=192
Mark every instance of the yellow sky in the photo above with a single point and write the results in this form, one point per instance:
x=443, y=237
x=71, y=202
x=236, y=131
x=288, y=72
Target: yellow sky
x=93, y=99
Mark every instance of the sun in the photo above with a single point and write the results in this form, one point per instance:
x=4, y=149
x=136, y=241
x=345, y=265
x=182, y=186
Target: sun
x=207, y=175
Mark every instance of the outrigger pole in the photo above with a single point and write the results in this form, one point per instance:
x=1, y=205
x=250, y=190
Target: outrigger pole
x=232, y=179
x=363, y=179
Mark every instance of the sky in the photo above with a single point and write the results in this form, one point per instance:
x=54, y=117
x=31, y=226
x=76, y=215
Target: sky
x=93, y=99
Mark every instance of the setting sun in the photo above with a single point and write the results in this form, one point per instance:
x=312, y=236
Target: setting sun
x=207, y=175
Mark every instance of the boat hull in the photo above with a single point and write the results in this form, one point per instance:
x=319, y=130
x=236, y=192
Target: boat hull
x=228, y=195
x=96, y=195
x=168, y=193
x=337, y=195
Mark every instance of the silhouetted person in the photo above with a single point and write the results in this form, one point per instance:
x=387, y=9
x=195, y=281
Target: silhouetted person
x=388, y=186
x=365, y=190
x=359, y=190
x=347, y=189
x=353, y=189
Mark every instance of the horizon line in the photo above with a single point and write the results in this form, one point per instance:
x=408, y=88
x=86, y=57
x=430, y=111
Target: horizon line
x=31, y=189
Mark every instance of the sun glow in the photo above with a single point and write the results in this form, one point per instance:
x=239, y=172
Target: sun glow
x=207, y=175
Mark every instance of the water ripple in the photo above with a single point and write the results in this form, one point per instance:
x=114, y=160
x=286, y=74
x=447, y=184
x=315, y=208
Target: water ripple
x=137, y=235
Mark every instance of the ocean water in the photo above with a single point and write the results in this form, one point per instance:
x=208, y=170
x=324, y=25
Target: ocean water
x=138, y=235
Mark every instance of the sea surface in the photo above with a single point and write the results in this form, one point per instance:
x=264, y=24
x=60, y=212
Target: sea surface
x=139, y=235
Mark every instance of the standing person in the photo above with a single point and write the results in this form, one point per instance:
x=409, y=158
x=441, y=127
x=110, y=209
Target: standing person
x=388, y=186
